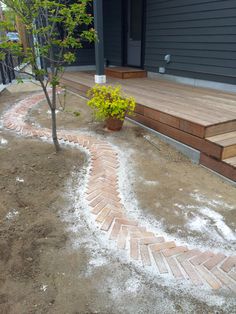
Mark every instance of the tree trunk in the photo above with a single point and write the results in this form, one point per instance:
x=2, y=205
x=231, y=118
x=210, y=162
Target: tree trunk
x=54, y=130
x=54, y=123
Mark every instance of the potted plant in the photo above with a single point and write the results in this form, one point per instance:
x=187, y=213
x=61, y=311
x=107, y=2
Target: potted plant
x=110, y=104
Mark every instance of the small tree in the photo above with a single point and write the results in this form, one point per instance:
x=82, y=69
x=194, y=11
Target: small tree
x=55, y=30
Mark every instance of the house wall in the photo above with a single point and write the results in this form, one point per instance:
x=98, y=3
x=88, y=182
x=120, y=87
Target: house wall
x=112, y=19
x=112, y=16
x=86, y=55
x=200, y=36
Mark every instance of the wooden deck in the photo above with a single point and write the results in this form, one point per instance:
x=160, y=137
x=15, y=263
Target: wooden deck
x=125, y=72
x=204, y=119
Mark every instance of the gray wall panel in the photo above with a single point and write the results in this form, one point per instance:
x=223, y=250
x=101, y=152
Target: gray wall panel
x=199, y=35
x=113, y=31
x=112, y=36
x=85, y=56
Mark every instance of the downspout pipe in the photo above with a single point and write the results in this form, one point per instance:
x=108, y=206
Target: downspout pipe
x=100, y=77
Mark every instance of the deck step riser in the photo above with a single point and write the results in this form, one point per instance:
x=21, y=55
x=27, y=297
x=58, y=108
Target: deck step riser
x=229, y=152
x=227, y=142
x=193, y=141
x=185, y=125
x=125, y=74
x=209, y=148
x=80, y=89
x=231, y=161
x=222, y=128
x=220, y=167
x=181, y=124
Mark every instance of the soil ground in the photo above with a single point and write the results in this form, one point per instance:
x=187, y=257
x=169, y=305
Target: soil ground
x=51, y=261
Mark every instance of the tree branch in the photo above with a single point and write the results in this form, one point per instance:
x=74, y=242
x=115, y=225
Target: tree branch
x=19, y=71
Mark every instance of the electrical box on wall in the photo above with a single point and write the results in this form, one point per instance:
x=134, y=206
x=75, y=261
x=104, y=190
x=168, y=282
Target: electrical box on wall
x=167, y=58
x=162, y=70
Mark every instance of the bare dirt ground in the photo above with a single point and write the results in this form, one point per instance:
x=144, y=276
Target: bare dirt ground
x=52, y=261
x=186, y=200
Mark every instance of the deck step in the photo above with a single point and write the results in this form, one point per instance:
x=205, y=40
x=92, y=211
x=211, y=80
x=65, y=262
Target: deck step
x=231, y=161
x=220, y=128
x=170, y=120
x=218, y=146
x=194, y=128
x=227, y=143
x=182, y=136
x=225, y=167
x=74, y=86
x=125, y=73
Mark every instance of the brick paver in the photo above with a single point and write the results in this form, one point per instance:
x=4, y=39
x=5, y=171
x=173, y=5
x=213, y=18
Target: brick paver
x=103, y=214
x=134, y=248
x=201, y=258
x=214, y=270
x=163, y=246
x=209, y=277
x=175, y=268
x=145, y=257
x=122, y=237
x=214, y=261
x=175, y=251
x=109, y=220
x=229, y=264
x=160, y=262
x=191, y=272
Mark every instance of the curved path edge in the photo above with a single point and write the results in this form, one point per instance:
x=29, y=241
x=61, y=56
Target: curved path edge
x=214, y=270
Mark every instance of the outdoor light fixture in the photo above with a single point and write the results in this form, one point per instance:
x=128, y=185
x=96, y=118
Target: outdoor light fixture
x=167, y=58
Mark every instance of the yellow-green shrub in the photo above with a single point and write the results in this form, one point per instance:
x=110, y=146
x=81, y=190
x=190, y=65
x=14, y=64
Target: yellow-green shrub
x=109, y=101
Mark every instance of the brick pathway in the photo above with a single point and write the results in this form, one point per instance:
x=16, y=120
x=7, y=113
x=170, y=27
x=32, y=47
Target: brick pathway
x=214, y=270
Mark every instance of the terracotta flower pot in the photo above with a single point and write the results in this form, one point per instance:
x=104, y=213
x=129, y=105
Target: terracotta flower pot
x=114, y=124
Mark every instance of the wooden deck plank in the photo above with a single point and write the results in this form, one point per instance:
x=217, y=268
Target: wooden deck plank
x=124, y=69
x=125, y=73
x=231, y=161
x=180, y=107
x=217, y=129
x=169, y=87
x=229, y=151
x=175, y=106
x=222, y=137
x=227, y=141
x=154, y=86
x=155, y=83
x=180, y=88
x=184, y=125
x=196, y=110
x=144, y=99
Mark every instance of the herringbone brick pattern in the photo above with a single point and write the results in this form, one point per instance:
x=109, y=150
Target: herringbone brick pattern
x=102, y=195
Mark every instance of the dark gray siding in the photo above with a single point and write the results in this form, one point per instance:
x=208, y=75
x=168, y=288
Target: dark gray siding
x=85, y=56
x=112, y=36
x=200, y=35
x=113, y=31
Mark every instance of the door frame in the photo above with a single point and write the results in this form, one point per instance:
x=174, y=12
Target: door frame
x=125, y=33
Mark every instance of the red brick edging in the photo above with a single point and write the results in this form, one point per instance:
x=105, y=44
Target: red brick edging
x=214, y=270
